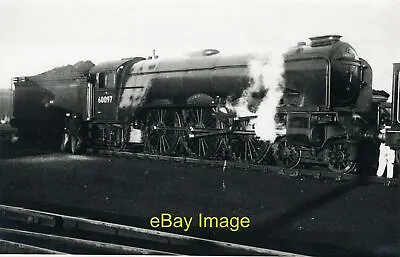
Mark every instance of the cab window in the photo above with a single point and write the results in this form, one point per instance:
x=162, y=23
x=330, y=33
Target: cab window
x=101, y=81
x=106, y=80
x=110, y=80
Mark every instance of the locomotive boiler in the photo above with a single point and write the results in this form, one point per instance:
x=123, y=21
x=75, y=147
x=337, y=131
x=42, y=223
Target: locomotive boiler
x=178, y=106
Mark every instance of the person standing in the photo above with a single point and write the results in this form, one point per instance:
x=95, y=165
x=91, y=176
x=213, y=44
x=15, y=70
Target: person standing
x=386, y=160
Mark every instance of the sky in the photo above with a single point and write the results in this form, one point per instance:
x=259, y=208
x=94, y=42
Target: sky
x=37, y=35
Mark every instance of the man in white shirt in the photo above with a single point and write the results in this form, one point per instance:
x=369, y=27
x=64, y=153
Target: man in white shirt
x=386, y=159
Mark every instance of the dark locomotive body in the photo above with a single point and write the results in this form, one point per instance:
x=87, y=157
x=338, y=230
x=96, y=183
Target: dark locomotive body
x=334, y=109
x=177, y=106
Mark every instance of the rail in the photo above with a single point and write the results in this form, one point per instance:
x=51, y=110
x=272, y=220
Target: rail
x=110, y=234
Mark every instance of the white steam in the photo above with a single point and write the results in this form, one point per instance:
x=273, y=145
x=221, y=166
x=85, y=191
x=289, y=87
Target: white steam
x=265, y=73
x=243, y=106
x=273, y=81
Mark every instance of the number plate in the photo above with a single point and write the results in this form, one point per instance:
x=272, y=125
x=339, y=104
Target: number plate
x=105, y=99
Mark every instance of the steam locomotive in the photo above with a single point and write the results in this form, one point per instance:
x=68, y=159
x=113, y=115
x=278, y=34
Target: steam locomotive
x=328, y=114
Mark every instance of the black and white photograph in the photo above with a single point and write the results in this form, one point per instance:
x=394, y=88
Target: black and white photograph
x=200, y=127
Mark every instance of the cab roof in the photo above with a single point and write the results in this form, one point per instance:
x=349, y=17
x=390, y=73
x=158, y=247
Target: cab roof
x=113, y=65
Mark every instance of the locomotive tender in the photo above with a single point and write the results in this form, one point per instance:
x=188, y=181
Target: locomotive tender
x=177, y=106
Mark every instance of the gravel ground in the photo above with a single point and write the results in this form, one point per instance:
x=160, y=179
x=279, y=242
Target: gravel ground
x=308, y=216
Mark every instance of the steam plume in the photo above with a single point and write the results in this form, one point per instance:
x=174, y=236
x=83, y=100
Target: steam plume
x=273, y=81
x=263, y=95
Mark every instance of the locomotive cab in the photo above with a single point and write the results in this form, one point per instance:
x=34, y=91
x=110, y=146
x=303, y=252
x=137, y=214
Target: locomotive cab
x=105, y=82
x=104, y=85
x=101, y=89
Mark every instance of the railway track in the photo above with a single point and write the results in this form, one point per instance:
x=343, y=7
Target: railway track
x=32, y=231
x=320, y=173
x=299, y=172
